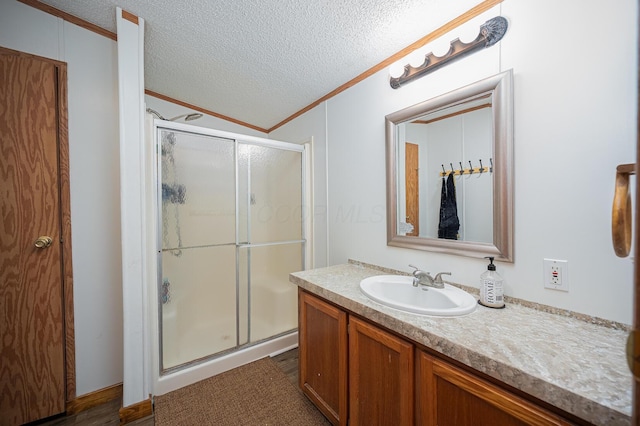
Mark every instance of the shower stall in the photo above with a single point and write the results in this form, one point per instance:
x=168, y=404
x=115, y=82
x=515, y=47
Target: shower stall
x=230, y=228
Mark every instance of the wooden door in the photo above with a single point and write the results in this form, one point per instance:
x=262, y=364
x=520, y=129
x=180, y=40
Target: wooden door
x=323, y=356
x=380, y=377
x=447, y=395
x=32, y=308
x=411, y=167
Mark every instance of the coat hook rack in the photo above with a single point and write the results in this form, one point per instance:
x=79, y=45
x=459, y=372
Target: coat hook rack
x=469, y=171
x=490, y=33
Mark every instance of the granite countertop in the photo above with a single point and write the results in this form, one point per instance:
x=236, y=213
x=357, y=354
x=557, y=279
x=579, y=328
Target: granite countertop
x=575, y=365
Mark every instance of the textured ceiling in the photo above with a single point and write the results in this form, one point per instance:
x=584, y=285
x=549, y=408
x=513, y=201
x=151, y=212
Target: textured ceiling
x=260, y=61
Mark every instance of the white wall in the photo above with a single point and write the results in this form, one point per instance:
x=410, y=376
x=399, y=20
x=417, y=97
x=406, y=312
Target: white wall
x=575, y=118
x=95, y=185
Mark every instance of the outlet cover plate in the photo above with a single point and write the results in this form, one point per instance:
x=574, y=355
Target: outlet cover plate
x=556, y=274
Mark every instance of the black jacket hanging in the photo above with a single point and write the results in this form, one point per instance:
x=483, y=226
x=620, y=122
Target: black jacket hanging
x=449, y=224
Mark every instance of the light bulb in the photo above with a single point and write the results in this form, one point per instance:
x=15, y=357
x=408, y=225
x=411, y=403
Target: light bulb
x=416, y=58
x=396, y=69
x=441, y=47
x=469, y=32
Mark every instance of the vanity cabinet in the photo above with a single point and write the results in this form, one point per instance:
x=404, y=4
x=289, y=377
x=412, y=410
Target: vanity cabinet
x=380, y=376
x=447, y=395
x=393, y=381
x=322, y=355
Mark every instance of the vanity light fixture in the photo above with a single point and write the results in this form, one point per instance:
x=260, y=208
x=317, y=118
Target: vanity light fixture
x=490, y=33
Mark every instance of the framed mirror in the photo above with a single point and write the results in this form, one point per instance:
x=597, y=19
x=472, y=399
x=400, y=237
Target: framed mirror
x=449, y=164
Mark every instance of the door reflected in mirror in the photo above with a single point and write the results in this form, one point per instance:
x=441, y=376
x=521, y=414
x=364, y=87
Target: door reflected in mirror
x=449, y=172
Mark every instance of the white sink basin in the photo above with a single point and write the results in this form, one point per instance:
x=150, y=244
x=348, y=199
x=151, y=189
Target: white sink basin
x=397, y=291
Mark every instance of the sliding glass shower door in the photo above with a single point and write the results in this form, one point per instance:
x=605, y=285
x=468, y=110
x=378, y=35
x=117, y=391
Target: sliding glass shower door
x=232, y=229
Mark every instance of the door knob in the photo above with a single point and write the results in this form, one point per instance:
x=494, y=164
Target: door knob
x=43, y=242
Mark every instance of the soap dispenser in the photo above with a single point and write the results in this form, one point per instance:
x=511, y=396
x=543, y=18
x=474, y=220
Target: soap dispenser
x=491, y=289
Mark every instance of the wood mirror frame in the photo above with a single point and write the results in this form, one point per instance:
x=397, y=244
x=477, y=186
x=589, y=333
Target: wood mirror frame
x=500, y=86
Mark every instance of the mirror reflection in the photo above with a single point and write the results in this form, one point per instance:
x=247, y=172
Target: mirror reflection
x=449, y=172
x=445, y=187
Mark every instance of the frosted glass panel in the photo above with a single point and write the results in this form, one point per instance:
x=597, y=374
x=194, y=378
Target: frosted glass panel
x=198, y=303
x=198, y=190
x=274, y=202
x=273, y=299
x=244, y=193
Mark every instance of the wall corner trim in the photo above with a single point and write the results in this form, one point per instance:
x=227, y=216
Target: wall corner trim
x=136, y=411
x=132, y=171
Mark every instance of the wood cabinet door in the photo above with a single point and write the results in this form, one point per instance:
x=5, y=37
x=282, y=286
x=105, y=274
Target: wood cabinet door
x=447, y=395
x=381, y=377
x=323, y=356
x=32, y=340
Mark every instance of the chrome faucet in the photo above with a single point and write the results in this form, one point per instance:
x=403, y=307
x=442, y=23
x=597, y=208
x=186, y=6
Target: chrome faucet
x=438, y=279
x=421, y=277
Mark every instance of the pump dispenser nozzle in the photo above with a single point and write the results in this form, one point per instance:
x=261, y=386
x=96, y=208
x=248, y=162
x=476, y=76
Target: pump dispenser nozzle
x=491, y=266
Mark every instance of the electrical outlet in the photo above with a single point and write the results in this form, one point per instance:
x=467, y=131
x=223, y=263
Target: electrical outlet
x=556, y=274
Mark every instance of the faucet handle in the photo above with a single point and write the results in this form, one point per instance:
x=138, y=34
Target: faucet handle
x=438, y=278
x=417, y=271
